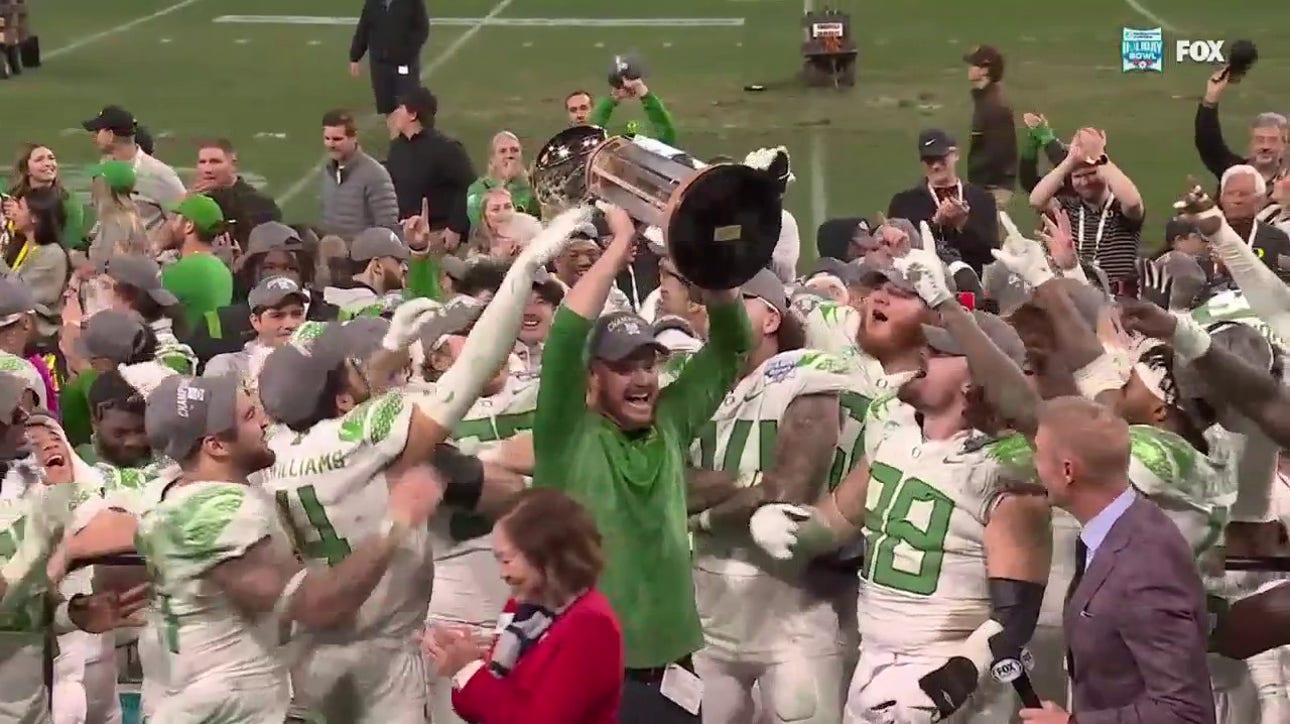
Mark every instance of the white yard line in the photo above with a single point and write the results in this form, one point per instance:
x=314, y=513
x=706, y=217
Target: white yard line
x=1137, y=7
x=448, y=53
x=85, y=40
x=498, y=22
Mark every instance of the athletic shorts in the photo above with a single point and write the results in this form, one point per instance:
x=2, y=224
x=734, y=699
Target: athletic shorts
x=388, y=83
x=380, y=681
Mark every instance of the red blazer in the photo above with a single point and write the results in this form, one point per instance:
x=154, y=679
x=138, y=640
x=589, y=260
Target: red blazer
x=572, y=675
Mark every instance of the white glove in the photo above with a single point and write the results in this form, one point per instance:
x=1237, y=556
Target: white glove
x=553, y=238
x=1190, y=340
x=927, y=276
x=1104, y=373
x=407, y=322
x=925, y=231
x=1022, y=256
x=775, y=528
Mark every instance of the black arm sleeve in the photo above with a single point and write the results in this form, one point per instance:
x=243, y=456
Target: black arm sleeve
x=1213, y=150
x=358, y=46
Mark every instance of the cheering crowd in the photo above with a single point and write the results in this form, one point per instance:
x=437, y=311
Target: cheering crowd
x=445, y=454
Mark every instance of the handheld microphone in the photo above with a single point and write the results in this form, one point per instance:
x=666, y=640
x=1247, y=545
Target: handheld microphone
x=1016, y=672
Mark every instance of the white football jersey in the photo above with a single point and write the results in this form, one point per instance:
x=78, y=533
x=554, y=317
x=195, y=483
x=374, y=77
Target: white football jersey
x=730, y=570
x=329, y=484
x=488, y=422
x=1194, y=490
x=924, y=585
x=184, y=532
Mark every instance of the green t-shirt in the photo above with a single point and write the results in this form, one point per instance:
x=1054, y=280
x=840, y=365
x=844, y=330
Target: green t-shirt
x=202, y=282
x=634, y=485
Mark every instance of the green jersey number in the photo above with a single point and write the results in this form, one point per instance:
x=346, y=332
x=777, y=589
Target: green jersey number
x=892, y=538
x=854, y=406
x=9, y=540
x=738, y=440
x=329, y=546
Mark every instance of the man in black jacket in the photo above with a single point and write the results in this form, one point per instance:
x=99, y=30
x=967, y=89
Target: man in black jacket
x=217, y=177
x=963, y=216
x=428, y=166
x=1267, y=148
x=992, y=152
x=390, y=33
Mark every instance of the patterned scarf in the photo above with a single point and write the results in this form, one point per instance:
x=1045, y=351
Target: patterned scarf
x=530, y=624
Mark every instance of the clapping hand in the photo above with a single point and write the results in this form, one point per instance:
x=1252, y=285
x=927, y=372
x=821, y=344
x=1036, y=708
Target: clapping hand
x=1034, y=120
x=451, y=648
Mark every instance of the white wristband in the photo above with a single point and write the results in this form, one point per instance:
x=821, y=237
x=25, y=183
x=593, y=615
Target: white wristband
x=1190, y=341
x=63, y=618
x=1100, y=375
x=1076, y=273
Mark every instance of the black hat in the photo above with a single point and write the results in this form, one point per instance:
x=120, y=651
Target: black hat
x=935, y=143
x=988, y=57
x=112, y=118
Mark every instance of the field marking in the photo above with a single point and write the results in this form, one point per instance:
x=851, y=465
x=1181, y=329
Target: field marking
x=448, y=53
x=1142, y=10
x=493, y=20
x=85, y=40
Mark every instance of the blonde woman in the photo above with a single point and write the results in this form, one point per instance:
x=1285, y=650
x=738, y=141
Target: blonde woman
x=505, y=171
x=501, y=231
x=119, y=229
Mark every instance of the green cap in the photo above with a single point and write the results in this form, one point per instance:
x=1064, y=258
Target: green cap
x=119, y=175
x=201, y=210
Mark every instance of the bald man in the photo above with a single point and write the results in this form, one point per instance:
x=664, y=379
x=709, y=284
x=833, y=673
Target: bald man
x=1135, y=618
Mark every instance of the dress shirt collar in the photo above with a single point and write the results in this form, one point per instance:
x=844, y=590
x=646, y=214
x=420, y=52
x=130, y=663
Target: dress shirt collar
x=1096, y=530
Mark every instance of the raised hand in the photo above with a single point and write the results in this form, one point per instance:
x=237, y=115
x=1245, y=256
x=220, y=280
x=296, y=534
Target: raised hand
x=1155, y=284
x=1147, y=319
x=1021, y=256
x=405, y=326
x=1059, y=240
x=1197, y=207
x=927, y=280
x=554, y=237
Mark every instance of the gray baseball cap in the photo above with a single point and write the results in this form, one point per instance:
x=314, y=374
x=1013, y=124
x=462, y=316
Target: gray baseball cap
x=767, y=287
x=363, y=335
x=12, y=388
x=272, y=236
x=141, y=273
x=458, y=316
x=274, y=291
x=1000, y=333
x=875, y=275
x=294, y=375
x=15, y=300
x=183, y=411
x=619, y=335
x=376, y=243
x=117, y=336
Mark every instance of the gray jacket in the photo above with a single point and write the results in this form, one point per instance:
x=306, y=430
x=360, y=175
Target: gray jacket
x=358, y=196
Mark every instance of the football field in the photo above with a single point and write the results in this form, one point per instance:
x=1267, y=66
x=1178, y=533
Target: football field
x=261, y=72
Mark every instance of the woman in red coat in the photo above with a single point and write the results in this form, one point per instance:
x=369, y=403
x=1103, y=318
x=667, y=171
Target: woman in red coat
x=558, y=656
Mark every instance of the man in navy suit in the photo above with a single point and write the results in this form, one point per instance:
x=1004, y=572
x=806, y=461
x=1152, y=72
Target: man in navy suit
x=1135, y=619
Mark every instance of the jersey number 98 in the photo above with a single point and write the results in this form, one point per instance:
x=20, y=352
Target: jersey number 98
x=902, y=555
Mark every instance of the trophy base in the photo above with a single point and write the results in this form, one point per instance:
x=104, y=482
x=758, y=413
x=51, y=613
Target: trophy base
x=723, y=224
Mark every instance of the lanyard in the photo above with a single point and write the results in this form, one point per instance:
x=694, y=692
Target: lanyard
x=1101, y=226
x=23, y=253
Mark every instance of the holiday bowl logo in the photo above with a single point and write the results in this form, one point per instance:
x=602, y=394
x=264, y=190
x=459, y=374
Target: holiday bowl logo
x=1142, y=50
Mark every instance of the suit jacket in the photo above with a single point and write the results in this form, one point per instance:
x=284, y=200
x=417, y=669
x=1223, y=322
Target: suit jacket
x=978, y=236
x=1136, y=627
x=572, y=674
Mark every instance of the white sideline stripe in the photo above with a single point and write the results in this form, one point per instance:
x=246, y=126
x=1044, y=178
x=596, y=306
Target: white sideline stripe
x=1142, y=10
x=85, y=40
x=456, y=45
x=492, y=20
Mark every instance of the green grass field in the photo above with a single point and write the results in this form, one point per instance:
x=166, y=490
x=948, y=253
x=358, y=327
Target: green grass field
x=265, y=85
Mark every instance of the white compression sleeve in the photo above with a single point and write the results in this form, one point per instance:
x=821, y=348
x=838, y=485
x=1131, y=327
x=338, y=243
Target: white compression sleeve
x=491, y=340
x=1269, y=297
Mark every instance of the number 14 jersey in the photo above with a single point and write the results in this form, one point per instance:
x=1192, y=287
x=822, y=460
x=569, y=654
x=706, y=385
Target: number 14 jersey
x=330, y=488
x=923, y=587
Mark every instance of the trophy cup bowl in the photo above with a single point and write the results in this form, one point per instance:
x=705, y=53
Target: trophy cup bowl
x=559, y=175
x=720, y=223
